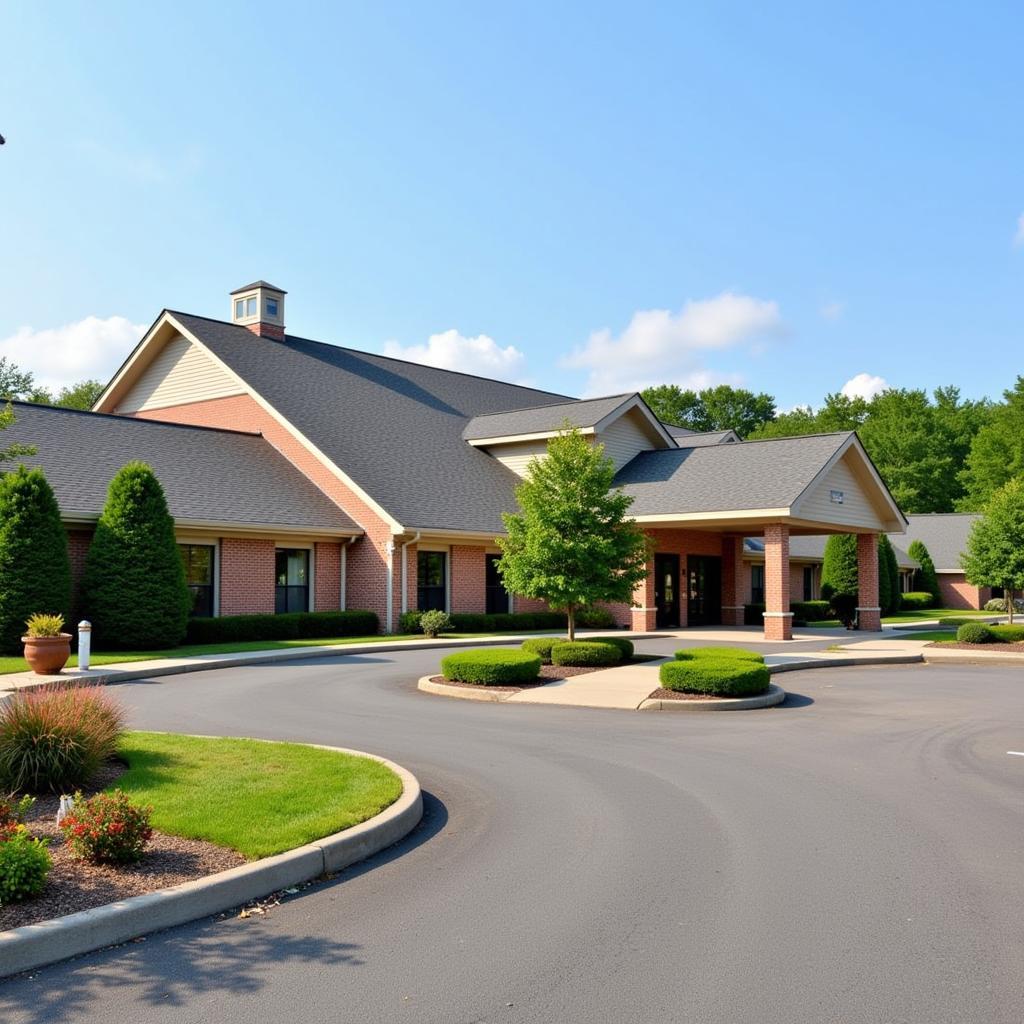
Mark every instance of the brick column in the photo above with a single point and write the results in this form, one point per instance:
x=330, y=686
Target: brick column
x=732, y=581
x=778, y=619
x=644, y=614
x=869, y=614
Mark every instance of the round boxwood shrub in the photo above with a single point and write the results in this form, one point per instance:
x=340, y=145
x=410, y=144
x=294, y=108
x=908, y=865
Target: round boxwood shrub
x=491, y=667
x=585, y=653
x=717, y=677
x=542, y=645
x=624, y=646
x=737, y=653
x=1008, y=634
x=975, y=633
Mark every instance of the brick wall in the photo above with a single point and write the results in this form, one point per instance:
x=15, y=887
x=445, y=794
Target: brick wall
x=326, y=576
x=246, y=576
x=78, y=546
x=958, y=593
x=467, y=578
x=366, y=569
x=777, y=624
x=868, y=616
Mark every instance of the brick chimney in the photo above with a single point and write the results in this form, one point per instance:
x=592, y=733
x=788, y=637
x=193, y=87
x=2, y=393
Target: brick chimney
x=260, y=307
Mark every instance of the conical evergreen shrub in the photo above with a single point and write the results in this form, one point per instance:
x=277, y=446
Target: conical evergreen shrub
x=35, y=573
x=134, y=586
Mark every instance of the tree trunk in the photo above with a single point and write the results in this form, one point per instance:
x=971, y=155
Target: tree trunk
x=1009, y=603
x=570, y=614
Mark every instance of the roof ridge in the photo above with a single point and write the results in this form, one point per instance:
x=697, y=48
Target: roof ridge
x=380, y=355
x=129, y=419
x=532, y=408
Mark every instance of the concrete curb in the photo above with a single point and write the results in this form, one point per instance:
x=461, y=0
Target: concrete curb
x=484, y=693
x=36, y=945
x=981, y=658
x=841, y=662
x=775, y=695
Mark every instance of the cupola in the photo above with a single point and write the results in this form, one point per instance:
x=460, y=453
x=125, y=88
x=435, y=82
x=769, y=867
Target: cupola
x=260, y=307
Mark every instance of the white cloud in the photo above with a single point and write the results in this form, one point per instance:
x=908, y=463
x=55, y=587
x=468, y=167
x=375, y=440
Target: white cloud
x=832, y=310
x=1018, y=237
x=864, y=385
x=450, y=350
x=58, y=356
x=659, y=346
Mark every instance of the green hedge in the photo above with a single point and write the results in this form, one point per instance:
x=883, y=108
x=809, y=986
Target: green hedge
x=975, y=633
x=917, y=601
x=624, y=646
x=474, y=622
x=291, y=626
x=811, y=611
x=585, y=653
x=955, y=621
x=738, y=653
x=718, y=677
x=541, y=645
x=594, y=618
x=1008, y=634
x=491, y=667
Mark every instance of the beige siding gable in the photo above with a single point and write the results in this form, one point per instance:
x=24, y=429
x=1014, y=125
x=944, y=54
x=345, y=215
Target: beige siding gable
x=518, y=456
x=179, y=373
x=625, y=438
x=841, y=497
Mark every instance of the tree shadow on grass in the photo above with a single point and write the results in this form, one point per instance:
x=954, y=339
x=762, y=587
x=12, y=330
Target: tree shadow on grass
x=222, y=954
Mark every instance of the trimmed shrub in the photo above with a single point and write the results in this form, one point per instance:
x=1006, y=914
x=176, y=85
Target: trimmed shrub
x=925, y=577
x=134, y=582
x=753, y=614
x=409, y=622
x=1008, y=634
x=491, y=667
x=844, y=607
x=839, y=566
x=594, y=618
x=288, y=626
x=35, y=573
x=624, y=646
x=433, y=623
x=582, y=653
x=975, y=633
x=718, y=677
x=955, y=621
x=718, y=653
x=999, y=604
x=541, y=645
x=107, y=829
x=917, y=600
x=24, y=864
x=55, y=738
x=810, y=611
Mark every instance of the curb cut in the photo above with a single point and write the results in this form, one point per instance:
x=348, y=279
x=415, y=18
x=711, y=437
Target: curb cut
x=37, y=945
x=775, y=695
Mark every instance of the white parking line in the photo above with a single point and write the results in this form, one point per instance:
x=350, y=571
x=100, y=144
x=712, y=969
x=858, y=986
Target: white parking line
x=1016, y=753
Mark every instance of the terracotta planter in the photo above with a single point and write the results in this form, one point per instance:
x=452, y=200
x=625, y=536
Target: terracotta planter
x=47, y=655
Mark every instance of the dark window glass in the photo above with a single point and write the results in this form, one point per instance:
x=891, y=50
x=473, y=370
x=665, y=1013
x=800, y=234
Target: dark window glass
x=431, y=592
x=808, y=583
x=497, y=595
x=757, y=584
x=291, y=593
x=271, y=307
x=198, y=562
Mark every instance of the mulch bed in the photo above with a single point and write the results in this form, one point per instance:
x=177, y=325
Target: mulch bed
x=948, y=645
x=663, y=694
x=74, y=885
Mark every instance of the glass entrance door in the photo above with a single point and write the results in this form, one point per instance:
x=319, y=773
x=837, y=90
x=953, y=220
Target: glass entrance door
x=497, y=595
x=704, y=599
x=666, y=591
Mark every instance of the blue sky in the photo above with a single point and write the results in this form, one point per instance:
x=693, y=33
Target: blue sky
x=587, y=197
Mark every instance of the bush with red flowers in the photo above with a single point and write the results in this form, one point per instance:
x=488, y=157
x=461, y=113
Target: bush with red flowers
x=107, y=828
x=12, y=815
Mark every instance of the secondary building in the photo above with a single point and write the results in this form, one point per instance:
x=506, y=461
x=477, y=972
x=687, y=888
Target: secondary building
x=308, y=475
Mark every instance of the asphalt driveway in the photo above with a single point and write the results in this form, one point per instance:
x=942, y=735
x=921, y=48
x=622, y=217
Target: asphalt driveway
x=851, y=856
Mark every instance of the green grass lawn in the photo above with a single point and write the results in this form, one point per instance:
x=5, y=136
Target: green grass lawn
x=14, y=663
x=257, y=798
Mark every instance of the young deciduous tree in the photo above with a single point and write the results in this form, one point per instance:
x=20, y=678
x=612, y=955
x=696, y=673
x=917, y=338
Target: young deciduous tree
x=995, y=545
x=571, y=543
x=134, y=583
x=35, y=573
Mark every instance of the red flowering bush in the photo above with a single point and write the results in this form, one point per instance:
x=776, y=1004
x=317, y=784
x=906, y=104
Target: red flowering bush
x=107, y=828
x=12, y=815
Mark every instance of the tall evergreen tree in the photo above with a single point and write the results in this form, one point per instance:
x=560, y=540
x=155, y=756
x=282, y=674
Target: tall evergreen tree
x=926, y=577
x=888, y=577
x=572, y=543
x=134, y=583
x=839, y=568
x=35, y=572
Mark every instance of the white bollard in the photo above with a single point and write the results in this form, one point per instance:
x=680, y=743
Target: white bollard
x=84, y=644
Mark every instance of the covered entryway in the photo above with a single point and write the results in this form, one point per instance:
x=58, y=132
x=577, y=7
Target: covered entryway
x=704, y=590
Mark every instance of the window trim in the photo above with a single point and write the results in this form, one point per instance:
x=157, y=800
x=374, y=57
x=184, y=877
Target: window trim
x=207, y=542
x=288, y=545
x=444, y=553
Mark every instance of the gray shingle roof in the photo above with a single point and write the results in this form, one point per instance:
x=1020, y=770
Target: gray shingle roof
x=943, y=534
x=723, y=477
x=394, y=427
x=542, y=418
x=259, y=284
x=208, y=475
x=692, y=439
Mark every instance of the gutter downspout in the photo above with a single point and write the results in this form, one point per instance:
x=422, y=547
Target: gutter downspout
x=342, y=599
x=405, y=571
x=389, y=547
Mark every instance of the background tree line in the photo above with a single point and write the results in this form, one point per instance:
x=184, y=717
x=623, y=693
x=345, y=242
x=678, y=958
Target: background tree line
x=21, y=384
x=937, y=453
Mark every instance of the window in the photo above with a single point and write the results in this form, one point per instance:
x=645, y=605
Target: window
x=271, y=307
x=198, y=562
x=808, y=582
x=497, y=597
x=757, y=584
x=291, y=593
x=250, y=306
x=431, y=581
x=239, y=309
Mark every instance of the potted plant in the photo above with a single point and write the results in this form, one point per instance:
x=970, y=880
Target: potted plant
x=47, y=646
